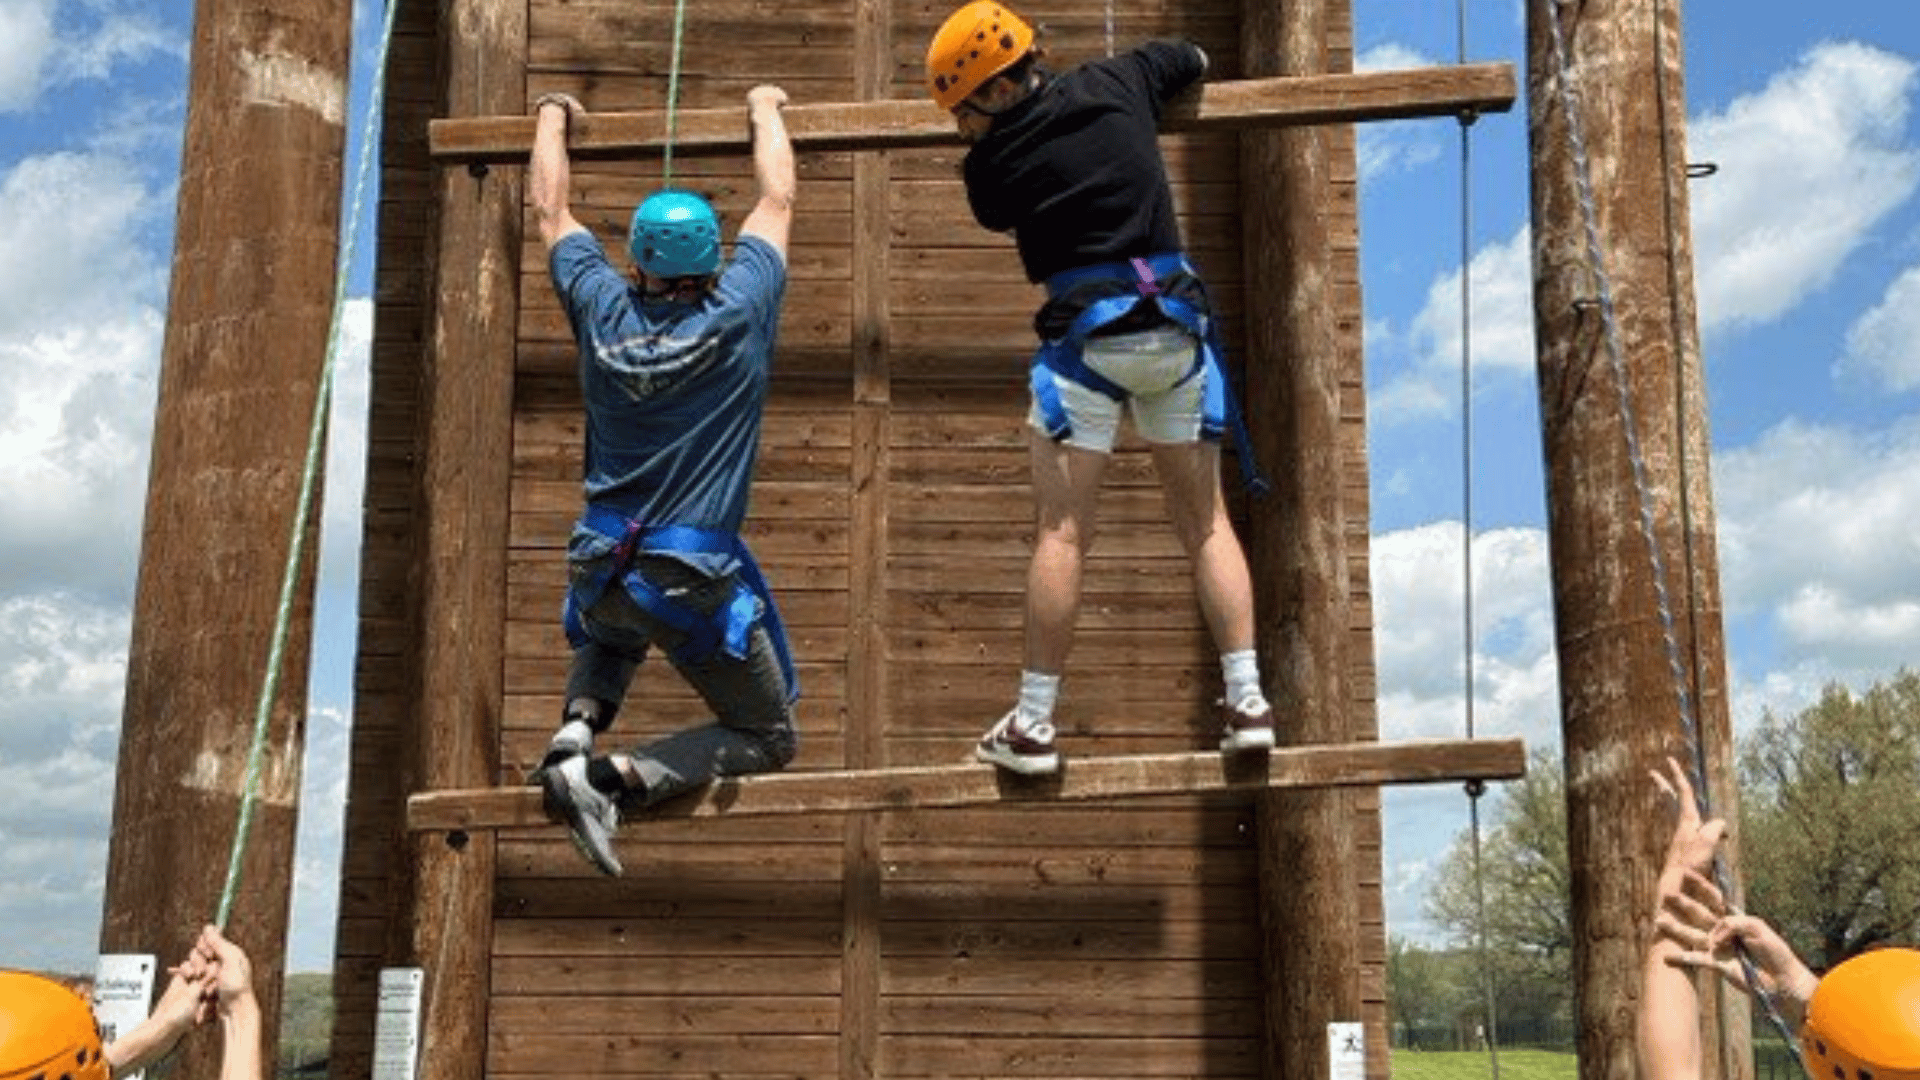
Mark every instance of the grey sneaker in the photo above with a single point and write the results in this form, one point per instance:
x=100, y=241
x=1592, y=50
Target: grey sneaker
x=591, y=815
x=1025, y=747
x=1246, y=729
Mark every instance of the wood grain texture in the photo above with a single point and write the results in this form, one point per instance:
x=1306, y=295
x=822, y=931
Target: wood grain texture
x=840, y=791
x=917, y=123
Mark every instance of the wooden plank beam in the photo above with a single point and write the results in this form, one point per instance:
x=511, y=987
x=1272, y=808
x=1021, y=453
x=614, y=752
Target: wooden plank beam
x=840, y=791
x=882, y=125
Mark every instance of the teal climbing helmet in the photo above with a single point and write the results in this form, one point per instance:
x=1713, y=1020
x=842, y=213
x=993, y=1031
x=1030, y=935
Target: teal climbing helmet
x=675, y=234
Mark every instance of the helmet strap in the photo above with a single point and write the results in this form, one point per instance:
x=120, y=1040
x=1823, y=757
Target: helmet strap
x=684, y=290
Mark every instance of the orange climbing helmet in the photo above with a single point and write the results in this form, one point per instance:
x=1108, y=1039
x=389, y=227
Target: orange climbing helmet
x=47, y=1030
x=1864, y=1019
x=976, y=43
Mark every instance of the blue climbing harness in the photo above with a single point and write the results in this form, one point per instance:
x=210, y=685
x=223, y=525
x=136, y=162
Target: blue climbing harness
x=1118, y=289
x=728, y=629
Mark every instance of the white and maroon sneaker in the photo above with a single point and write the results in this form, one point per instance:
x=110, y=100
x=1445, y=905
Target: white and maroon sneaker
x=1022, y=746
x=1246, y=730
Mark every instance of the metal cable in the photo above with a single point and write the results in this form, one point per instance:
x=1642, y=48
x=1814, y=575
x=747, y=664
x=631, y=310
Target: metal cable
x=1474, y=789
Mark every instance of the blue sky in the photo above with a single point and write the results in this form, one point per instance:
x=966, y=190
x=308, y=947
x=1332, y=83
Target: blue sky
x=1808, y=266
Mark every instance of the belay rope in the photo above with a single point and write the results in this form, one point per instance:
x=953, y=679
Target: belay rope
x=1616, y=356
x=303, y=512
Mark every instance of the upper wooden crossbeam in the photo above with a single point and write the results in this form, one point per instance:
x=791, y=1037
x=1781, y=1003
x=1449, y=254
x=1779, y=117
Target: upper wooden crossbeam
x=894, y=124
x=1334, y=765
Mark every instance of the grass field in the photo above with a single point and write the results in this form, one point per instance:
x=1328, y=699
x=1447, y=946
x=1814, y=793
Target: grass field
x=1472, y=1065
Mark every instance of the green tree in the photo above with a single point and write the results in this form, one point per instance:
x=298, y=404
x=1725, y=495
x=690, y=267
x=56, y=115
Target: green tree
x=1420, y=993
x=1830, y=820
x=1523, y=867
x=1527, y=919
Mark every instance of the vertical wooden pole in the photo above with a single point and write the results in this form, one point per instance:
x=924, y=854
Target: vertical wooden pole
x=376, y=874
x=867, y=718
x=1363, y=721
x=467, y=457
x=1619, y=703
x=1297, y=546
x=255, y=242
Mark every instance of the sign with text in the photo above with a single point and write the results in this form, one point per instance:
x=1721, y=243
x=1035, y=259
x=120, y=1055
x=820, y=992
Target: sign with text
x=396, y=1027
x=122, y=994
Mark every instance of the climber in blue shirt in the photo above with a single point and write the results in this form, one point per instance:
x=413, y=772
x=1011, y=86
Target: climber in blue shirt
x=674, y=362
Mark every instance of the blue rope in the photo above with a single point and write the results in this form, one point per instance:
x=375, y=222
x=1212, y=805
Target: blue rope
x=1616, y=355
x=316, y=444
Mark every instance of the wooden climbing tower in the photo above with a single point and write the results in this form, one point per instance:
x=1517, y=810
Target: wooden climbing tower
x=1179, y=922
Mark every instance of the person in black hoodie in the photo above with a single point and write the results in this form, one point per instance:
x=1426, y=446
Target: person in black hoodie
x=1070, y=165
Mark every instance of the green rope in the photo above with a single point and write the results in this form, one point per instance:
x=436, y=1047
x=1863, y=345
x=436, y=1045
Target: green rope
x=316, y=444
x=673, y=92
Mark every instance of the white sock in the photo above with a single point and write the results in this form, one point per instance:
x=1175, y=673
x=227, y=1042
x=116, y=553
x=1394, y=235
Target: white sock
x=1241, y=671
x=1038, y=693
x=574, y=733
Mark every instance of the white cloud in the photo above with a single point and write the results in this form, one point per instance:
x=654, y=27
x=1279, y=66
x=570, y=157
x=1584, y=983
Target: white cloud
x=1418, y=623
x=1820, y=615
x=45, y=45
x=80, y=338
x=76, y=413
x=62, y=667
x=1391, y=56
x=1394, y=146
x=1807, y=167
x=68, y=222
x=1883, y=346
x=80, y=341
x=1817, y=540
x=316, y=873
x=1501, y=276
x=62, y=678
x=26, y=41
x=347, y=446
x=120, y=37
x=1417, y=584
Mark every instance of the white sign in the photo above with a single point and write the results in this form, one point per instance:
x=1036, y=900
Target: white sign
x=396, y=1027
x=1346, y=1052
x=122, y=994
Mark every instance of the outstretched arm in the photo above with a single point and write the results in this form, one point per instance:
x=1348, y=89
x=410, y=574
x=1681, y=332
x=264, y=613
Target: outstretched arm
x=772, y=216
x=241, y=1025
x=1667, y=1035
x=1707, y=936
x=181, y=1006
x=550, y=173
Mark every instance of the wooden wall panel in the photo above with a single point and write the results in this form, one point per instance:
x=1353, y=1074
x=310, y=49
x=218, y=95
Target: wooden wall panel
x=892, y=515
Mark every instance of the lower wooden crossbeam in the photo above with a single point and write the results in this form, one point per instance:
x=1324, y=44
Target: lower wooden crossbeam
x=973, y=784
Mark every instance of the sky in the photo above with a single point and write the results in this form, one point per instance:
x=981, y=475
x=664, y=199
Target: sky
x=1807, y=246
